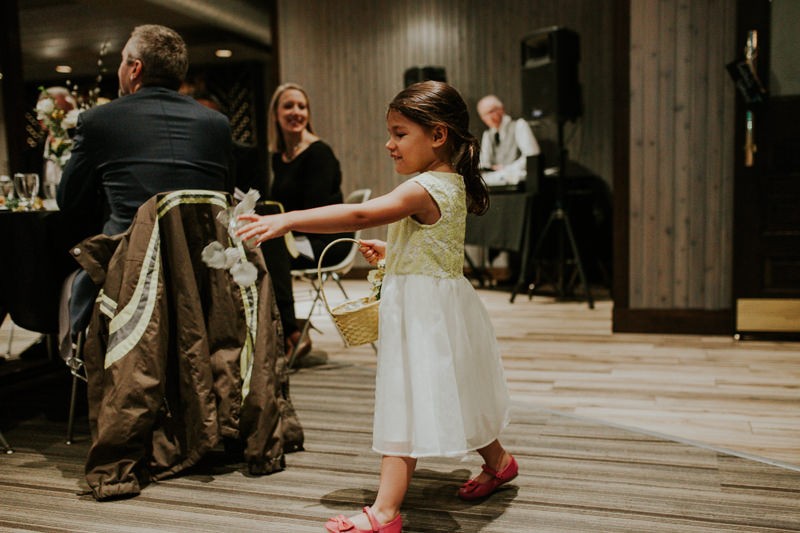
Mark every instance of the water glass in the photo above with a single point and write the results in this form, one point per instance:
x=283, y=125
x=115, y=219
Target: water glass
x=27, y=186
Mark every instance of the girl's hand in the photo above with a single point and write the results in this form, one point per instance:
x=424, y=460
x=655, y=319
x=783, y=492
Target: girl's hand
x=262, y=228
x=373, y=250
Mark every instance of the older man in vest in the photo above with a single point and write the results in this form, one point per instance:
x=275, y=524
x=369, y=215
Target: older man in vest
x=505, y=148
x=507, y=143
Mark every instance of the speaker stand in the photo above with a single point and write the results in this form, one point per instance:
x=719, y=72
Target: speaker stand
x=558, y=221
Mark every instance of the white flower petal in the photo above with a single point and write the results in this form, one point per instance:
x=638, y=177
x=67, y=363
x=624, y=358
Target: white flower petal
x=224, y=216
x=247, y=204
x=232, y=256
x=233, y=227
x=45, y=106
x=70, y=119
x=213, y=255
x=244, y=273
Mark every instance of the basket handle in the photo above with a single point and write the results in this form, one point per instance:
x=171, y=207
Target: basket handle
x=319, y=267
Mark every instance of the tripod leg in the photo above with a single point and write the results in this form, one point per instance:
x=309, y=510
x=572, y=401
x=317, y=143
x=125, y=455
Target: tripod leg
x=578, y=261
x=534, y=255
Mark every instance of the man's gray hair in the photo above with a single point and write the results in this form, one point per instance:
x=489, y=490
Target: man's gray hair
x=163, y=54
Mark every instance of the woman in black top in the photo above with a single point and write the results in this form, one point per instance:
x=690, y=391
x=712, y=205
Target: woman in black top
x=306, y=174
x=311, y=179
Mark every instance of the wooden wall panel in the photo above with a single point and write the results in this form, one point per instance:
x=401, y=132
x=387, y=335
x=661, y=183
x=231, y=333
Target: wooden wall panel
x=681, y=145
x=351, y=54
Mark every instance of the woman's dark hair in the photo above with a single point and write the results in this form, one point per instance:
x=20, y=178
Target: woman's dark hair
x=434, y=103
x=163, y=55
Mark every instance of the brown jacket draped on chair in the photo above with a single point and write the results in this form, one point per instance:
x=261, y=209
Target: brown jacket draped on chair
x=177, y=354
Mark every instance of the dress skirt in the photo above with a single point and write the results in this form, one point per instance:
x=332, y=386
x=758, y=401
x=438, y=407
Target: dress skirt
x=440, y=387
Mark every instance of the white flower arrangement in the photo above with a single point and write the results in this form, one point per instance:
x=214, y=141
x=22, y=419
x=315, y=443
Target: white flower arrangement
x=232, y=258
x=57, y=112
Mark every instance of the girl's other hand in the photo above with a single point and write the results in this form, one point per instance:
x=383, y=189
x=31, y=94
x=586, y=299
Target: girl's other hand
x=262, y=228
x=373, y=250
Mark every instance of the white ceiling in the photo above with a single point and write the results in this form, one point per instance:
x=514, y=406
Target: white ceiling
x=72, y=32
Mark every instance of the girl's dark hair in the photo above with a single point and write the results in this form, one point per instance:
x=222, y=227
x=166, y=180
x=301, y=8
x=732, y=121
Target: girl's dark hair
x=433, y=103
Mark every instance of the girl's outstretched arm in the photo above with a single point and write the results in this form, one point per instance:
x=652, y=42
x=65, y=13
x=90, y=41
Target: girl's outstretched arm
x=407, y=199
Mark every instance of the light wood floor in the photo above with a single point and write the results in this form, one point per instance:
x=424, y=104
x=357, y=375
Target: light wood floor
x=739, y=396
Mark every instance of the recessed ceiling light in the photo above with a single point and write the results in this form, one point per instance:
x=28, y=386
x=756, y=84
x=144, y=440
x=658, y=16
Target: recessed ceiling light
x=64, y=69
x=223, y=52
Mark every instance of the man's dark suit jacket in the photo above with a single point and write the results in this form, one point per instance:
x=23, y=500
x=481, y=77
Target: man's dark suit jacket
x=154, y=140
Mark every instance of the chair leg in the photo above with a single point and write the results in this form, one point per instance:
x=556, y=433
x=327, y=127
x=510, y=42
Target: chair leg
x=4, y=443
x=338, y=281
x=10, y=339
x=51, y=340
x=304, y=331
x=73, y=396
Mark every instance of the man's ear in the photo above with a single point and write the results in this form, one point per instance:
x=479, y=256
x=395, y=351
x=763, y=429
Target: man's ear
x=439, y=135
x=136, y=69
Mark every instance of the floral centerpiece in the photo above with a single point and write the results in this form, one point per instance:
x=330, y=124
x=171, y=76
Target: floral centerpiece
x=57, y=111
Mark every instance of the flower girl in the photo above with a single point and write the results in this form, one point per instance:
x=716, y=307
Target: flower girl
x=440, y=388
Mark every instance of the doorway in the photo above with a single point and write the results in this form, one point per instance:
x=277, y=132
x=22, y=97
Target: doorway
x=766, y=263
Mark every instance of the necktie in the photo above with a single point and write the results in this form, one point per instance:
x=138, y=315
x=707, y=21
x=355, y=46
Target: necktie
x=497, y=137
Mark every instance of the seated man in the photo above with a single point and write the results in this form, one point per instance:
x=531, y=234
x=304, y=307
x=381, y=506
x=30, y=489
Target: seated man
x=506, y=145
x=505, y=148
x=152, y=139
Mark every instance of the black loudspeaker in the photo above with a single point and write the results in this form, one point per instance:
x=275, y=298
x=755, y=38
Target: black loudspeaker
x=417, y=74
x=550, y=87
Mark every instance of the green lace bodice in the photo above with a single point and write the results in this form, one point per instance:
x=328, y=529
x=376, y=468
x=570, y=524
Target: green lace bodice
x=432, y=249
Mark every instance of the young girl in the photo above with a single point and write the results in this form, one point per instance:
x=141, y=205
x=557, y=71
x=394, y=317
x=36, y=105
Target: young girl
x=440, y=388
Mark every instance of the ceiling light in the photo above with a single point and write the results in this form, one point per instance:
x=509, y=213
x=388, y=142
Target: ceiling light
x=223, y=52
x=64, y=69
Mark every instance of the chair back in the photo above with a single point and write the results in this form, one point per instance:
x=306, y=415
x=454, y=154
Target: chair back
x=317, y=275
x=343, y=267
x=164, y=309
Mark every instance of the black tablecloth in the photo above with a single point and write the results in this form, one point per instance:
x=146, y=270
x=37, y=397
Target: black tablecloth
x=34, y=262
x=507, y=225
x=504, y=225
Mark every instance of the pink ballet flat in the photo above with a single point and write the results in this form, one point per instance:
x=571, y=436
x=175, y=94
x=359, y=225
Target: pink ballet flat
x=341, y=524
x=472, y=490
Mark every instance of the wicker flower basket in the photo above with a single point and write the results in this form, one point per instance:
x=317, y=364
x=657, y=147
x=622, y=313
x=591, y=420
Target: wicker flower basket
x=357, y=319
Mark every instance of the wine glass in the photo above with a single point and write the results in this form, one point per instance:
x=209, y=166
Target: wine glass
x=27, y=186
x=6, y=189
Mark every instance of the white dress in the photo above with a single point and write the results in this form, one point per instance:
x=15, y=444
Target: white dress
x=440, y=387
